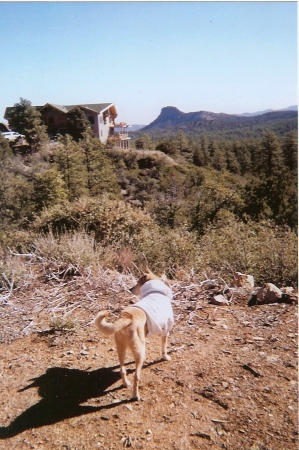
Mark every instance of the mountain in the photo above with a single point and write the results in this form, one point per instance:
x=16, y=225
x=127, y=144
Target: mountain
x=171, y=119
x=258, y=113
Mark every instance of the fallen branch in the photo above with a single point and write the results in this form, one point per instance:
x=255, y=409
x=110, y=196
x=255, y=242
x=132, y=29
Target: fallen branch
x=4, y=299
x=250, y=369
x=26, y=255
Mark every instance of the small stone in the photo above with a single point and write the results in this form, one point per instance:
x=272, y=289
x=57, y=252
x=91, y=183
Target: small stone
x=272, y=358
x=220, y=300
x=129, y=407
x=243, y=280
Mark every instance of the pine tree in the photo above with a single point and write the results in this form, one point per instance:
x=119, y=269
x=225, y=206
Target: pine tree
x=167, y=147
x=204, y=144
x=218, y=159
x=78, y=124
x=69, y=160
x=271, y=170
x=242, y=153
x=270, y=155
x=198, y=155
x=49, y=189
x=183, y=146
x=143, y=142
x=101, y=174
x=231, y=160
x=290, y=151
x=27, y=120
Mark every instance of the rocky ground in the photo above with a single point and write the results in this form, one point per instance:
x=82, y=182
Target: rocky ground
x=231, y=383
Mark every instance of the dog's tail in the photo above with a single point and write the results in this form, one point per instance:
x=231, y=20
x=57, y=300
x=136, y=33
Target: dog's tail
x=110, y=328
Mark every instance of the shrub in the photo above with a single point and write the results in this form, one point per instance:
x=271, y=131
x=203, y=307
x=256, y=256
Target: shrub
x=71, y=248
x=166, y=250
x=12, y=272
x=110, y=220
x=264, y=250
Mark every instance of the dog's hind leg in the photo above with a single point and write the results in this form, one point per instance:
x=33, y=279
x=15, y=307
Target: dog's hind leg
x=138, y=350
x=121, y=351
x=139, y=363
x=164, y=349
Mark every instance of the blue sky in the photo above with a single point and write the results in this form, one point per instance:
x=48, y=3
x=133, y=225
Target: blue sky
x=231, y=57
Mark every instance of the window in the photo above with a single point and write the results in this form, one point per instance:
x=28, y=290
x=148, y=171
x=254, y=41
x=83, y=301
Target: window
x=91, y=119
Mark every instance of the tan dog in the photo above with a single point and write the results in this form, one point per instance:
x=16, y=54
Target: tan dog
x=151, y=315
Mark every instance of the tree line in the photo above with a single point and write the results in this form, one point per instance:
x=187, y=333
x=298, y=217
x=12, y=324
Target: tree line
x=187, y=196
x=254, y=178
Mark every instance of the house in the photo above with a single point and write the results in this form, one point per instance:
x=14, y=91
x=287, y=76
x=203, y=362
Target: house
x=100, y=115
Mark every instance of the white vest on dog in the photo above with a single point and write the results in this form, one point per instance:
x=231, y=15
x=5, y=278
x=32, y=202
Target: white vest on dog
x=155, y=301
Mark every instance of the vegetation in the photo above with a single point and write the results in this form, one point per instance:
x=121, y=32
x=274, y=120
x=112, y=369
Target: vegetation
x=27, y=120
x=177, y=202
x=78, y=124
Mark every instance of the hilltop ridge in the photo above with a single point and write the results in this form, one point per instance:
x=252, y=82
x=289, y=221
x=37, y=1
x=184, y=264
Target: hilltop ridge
x=171, y=117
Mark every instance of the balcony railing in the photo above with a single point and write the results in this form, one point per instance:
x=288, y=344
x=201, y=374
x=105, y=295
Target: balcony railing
x=118, y=136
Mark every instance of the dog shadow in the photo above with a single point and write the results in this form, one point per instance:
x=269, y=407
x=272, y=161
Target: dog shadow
x=62, y=393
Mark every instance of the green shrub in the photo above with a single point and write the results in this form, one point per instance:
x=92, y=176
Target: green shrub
x=166, y=250
x=264, y=250
x=109, y=220
x=105, y=232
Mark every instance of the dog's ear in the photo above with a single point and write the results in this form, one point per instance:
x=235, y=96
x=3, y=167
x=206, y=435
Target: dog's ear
x=147, y=271
x=149, y=275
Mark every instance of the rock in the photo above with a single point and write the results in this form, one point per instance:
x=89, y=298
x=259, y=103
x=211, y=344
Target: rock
x=220, y=300
x=287, y=290
x=289, y=295
x=269, y=293
x=243, y=280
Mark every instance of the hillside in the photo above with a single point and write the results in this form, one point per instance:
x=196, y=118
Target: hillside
x=171, y=119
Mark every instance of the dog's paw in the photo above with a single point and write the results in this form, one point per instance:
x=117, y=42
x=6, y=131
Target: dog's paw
x=127, y=383
x=166, y=357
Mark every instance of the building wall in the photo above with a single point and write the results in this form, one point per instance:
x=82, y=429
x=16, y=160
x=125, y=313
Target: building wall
x=105, y=122
x=54, y=120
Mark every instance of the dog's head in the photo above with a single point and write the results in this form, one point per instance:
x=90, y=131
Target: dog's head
x=147, y=276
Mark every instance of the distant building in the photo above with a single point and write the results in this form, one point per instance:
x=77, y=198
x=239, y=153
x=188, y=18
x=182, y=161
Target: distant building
x=100, y=115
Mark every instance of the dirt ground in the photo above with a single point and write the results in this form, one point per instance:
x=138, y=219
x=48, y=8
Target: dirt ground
x=231, y=383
